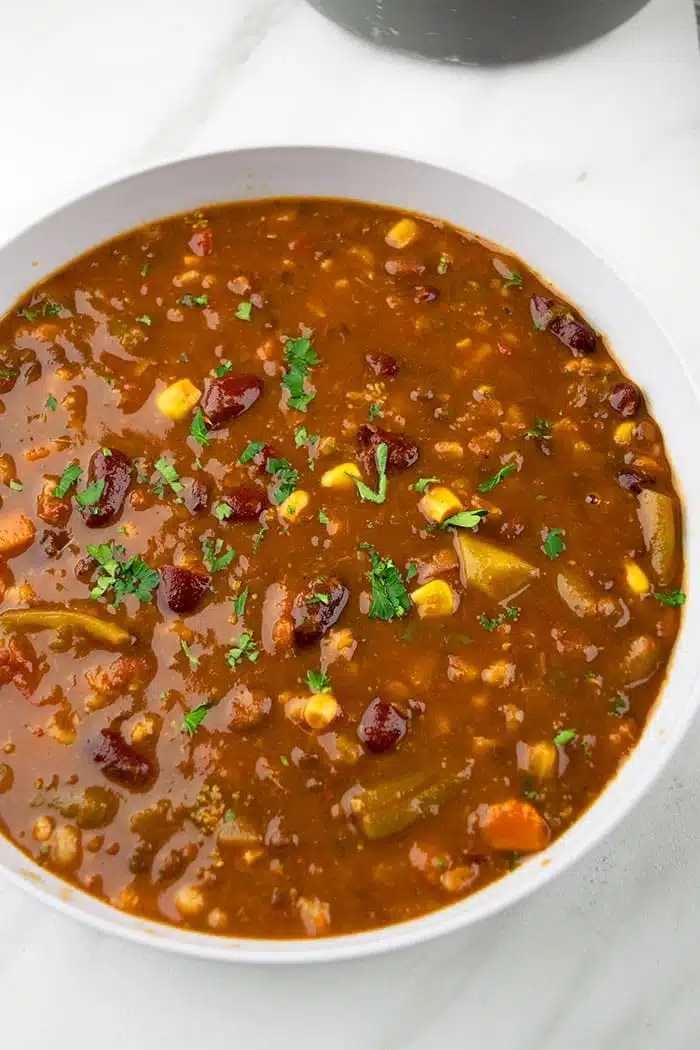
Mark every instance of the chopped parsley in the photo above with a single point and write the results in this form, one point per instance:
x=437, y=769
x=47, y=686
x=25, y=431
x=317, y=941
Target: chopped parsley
x=244, y=311
x=619, y=705
x=245, y=647
x=8, y=373
x=223, y=511
x=443, y=264
x=145, y=268
x=540, y=430
x=501, y=475
x=465, y=519
x=212, y=557
x=553, y=544
x=374, y=410
x=284, y=761
x=565, y=736
x=411, y=570
x=318, y=599
x=671, y=598
x=323, y=517
x=300, y=356
x=223, y=368
x=194, y=660
x=194, y=300
x=390, y=598
x=28, y=315
x=422, y=483
x=51, y=403
x=16, y=485
x=91, y=495
x=250, y=451
x=67, y=480
x=381, y=455
x=529, y=790
x=286, y=479
x=122, y=577
x=511, y=613
x=258, y=538
x=198, y=429
x=240, y=602
x=318, y=682
x=169, y=474
x=107, y=452
x=514, y=281
x=194, y=718
x=145, y=319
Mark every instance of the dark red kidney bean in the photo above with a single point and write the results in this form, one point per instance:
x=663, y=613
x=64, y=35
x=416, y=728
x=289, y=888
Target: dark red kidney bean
x=246, y=503
x=381, y=364
x=119, y=761
x=626, y=398
x=577, y=336
x=196, y=497
x=202, y=242
x=403, y=266
x=403, y=451
x=382, y=727
x=541, y=311
x=230, y=396
x=313, y=616
x=181, y=589
x=115, y=470
x=634, y=480
x=425, y=293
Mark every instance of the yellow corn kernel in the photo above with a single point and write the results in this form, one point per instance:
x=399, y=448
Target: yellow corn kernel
x=439, y=503
x=434, y=599
x=636, y=578
x=321, y=709
x=542, y=759
x=624, y=432
x=340, y=477
x=402, y=233
x=178, y=399
x=464, y=344
x=293, y=506
x=449, y=449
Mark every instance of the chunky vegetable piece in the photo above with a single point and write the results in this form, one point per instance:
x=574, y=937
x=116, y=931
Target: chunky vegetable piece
x=340, y=567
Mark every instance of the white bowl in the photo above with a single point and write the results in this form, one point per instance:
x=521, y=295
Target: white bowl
x=643, y=350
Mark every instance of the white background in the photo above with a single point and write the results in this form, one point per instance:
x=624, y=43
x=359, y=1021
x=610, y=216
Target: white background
x=608, y=142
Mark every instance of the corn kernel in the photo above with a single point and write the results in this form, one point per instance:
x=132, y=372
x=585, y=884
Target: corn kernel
x=624, y=432
x=439, y=503
x=464, y=344
x=340, y=477
x=434, y=599
x=542, y=759
x=636, y=578
x=321, y=709
x=402, y=233
x=294, y=505
x=363, y=253
x=178, y=399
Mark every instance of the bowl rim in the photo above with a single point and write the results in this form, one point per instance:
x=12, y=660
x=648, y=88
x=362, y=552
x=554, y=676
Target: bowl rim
x=106, y=918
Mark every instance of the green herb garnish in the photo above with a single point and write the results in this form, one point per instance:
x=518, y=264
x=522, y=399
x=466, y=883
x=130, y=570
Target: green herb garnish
x=68, y=478
x=318, y=682
x=443, y=264
x=374, y=410
x=286, y=479
x=529, y=790
x=553, y=544
x=16, y=485
x=390, y=598
x=318, y=599
x=194, y=660
x=244, y=311
x=465, y=519
x=194, y=300
x=198, y=429
x=540, y=430
x=223, y=368
x=258, y=538
x=381, y=455
x=123, y=577
x=145, y=319
x=514, y=281
x=250, y=451
x=565, y=736
x=223, y=511
x=619, y=705
x=511, y=613
x=422, y=483
x=501, y=475
x=239, y=603
x=245, y=647
x=169, y=474
x=91, y=494
x=411, y=570
x=671, y=598
x=51, y=403
x=323, y=517
x=194, y=718
x=300, y=356
x=212, y=558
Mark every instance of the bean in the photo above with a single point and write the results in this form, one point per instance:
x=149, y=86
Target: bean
x=403, y=451
x=196, y=497
x=403, y=267
x=120, y=762
x=181, y=589
x=541, y=311
x=202, y=242
x=115, y=470
x=230, y=396
x=314, y=618
x=626, y=398
x=381, y=364
x=246, y=503
x=634, y=480
x=382, y=726
x=576, y=336
x=66, y=849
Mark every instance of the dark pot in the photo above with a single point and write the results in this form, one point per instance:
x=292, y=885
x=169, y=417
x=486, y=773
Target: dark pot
x=480, y=31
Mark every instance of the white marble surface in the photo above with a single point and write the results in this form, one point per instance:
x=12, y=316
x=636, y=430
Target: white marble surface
x=607, y=141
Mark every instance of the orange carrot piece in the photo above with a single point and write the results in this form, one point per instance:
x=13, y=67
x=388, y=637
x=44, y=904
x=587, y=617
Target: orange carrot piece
x=16, y=533
x=515, y=825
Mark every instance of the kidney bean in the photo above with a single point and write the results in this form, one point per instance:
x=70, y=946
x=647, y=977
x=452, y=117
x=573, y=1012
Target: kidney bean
x=115, y=470
x=626, y=398
x=196, y=497
x=119, y=761
x=246, y=503
x=313, y=617
x=541, y=311
x=381, y=364
x=181, y=589
x=576, y=336
x=382, y=726
x=202, y=242
x=403, y=451
x=403, y=267
x=425, y=293
x=230, y=396
x=634, y=480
